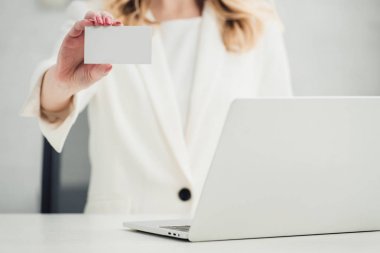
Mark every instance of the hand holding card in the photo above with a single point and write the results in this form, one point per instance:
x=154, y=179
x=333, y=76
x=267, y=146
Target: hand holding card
x=70, y=75
x=118, y=45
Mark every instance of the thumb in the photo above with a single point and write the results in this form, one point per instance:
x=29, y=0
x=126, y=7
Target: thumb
x=98, y=71
x=94, y=72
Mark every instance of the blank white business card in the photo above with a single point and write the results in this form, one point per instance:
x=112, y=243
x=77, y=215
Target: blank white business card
x=118, y=45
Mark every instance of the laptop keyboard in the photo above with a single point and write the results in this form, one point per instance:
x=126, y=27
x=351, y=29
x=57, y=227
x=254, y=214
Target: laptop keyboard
x=185, y=228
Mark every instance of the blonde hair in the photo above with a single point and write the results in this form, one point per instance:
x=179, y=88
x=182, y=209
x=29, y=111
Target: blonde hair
x=241, y=22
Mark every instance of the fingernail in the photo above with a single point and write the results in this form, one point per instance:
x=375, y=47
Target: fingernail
x=108, y=20
x=108, y=69
x=99, y=20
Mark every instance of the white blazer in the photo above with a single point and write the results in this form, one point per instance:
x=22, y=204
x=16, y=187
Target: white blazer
x=140, y=155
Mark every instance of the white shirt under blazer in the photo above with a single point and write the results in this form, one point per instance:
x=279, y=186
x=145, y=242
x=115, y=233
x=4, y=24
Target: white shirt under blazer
x=141, y=156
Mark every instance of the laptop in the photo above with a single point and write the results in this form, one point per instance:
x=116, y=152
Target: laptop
x=286, y=167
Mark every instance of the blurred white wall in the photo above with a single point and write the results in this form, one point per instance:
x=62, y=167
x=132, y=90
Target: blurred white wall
x=333, y=45
x=28, y=34
x=333, y=49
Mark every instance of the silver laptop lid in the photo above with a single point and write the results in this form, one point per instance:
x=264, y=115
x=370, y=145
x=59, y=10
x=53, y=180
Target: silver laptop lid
x=293, y=166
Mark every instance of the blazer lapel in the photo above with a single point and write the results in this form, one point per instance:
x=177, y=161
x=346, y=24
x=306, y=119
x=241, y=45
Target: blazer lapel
x=211, y=52
x=159, y=85
x=160, y=89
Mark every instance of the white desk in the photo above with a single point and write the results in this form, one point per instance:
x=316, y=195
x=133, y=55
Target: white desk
x=93, y=233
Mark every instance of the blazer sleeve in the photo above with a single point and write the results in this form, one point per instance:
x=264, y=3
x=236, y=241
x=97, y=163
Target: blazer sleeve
x=275, y=78
x=56, y=132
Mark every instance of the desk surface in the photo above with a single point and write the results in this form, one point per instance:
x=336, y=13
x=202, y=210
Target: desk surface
x=102, y=233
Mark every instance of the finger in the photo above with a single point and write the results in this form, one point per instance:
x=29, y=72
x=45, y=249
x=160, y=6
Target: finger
x=90, y=15
x=107, y=18
x=79, y=26
x=99, y=19
x=116, y=22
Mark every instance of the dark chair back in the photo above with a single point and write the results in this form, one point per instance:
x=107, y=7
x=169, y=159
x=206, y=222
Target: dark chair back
x=65, y=176
x=51, y=163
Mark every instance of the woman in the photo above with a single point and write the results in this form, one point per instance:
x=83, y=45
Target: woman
x=154, y=128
